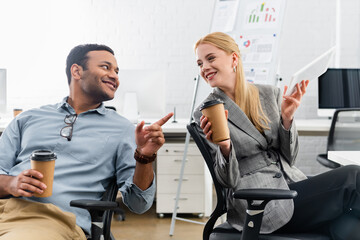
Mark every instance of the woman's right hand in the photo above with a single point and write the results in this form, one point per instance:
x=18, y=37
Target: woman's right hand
x=205, y=125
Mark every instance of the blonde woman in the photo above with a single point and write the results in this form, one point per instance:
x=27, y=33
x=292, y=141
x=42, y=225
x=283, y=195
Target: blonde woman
x=263, y=146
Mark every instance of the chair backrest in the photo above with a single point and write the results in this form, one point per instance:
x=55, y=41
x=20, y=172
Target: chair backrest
x=109, y=195
x=220, y=208
x=344, y=134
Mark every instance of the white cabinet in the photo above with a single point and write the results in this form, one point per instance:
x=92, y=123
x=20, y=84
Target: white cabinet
x=196, y=188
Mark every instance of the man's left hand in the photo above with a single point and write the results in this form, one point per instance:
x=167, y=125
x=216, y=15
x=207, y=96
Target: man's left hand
x=150, y=138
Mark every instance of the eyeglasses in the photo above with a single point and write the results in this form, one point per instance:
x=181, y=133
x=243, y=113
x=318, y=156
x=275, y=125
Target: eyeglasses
x=67, y=131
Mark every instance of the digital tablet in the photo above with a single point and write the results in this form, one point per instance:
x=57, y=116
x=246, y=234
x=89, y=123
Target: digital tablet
x=311, y=71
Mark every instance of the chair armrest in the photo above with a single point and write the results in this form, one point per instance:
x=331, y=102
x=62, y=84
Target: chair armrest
x=94, y=204
x=257, y=200
x=96, y=209
x=323, y=160
x=264, y=194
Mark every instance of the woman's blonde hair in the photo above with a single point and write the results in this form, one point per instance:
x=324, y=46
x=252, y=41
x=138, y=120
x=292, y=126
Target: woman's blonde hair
x=246, y=94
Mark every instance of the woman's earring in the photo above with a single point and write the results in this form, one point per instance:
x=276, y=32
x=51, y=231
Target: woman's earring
x=234, y=68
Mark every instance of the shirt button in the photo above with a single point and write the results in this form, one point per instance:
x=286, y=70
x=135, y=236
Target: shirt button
x=278, y=175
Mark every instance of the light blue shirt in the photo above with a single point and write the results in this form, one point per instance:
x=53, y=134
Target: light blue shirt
x=102, y=146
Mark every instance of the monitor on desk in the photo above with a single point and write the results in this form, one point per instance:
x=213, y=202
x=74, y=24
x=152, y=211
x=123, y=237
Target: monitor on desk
x=338, y=88
x=2, y=91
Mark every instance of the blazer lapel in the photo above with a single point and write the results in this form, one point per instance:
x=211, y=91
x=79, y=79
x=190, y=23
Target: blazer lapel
x=273, y=124
x=267, y=132
x=237, y=117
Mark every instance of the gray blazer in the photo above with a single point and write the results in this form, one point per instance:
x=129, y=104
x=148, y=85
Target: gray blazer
x=256, y=160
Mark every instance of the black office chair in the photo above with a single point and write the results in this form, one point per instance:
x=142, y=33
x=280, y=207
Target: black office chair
x=101, y=212
x=252, y=222
x=344, y=135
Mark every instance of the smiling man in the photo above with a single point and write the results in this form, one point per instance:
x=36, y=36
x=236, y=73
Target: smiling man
x=93, y=144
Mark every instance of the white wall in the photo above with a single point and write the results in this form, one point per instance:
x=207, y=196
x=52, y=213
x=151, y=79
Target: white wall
x=310, y=29
x=37, y=35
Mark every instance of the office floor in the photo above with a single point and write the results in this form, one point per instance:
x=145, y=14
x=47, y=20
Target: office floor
x=148, y=226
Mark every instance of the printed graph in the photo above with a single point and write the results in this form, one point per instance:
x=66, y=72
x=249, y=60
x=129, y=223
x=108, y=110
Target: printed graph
x=262, y=15
x=256, y=49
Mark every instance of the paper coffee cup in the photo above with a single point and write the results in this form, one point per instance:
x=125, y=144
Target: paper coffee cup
x=17, y=111
x=215, y=112
x=44, y=162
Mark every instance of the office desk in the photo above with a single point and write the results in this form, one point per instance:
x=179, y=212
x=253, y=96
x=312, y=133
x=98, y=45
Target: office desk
x=345, y=157
x=313, y=127
x=305, y=127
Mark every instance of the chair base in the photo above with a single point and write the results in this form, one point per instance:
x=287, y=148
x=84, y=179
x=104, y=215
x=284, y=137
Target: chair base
x=119, y=215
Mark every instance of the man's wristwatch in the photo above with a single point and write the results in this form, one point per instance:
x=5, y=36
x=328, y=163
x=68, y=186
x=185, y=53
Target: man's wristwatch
x=144, y=159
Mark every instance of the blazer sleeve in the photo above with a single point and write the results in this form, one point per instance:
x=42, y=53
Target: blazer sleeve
x=289, y=144
x=226, y=171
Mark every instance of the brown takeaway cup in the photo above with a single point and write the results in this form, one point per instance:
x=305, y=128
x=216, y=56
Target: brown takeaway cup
x=17, y=111
x=44, y=162
x=215, y=112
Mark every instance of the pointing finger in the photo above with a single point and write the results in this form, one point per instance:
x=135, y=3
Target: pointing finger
x=164, y=119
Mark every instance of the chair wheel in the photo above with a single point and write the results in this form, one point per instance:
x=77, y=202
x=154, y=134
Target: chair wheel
x=119, y=217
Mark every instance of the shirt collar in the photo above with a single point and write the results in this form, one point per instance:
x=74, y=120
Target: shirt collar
x=65, y=105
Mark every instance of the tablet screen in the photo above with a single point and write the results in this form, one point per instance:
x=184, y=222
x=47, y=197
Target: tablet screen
x=311, y=71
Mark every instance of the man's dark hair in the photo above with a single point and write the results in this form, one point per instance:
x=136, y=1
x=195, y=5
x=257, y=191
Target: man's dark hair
x=79, y=56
